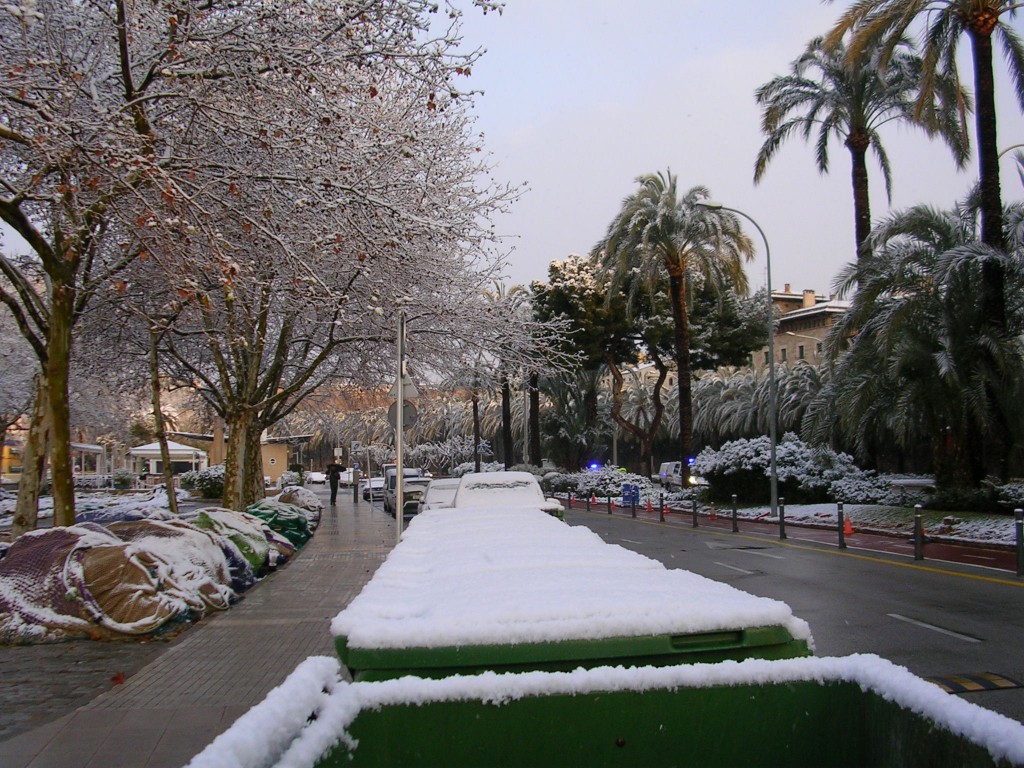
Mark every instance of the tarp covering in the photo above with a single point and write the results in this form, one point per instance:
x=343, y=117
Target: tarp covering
x=89, y=581
x=287, y=519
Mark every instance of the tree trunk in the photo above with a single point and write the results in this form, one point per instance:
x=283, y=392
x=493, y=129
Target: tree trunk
x=57, y=372
x=506, y=421
x=993, y=275
x=158, y=420
x=33, y=462
x=858, y=143
x=253, y=488
x=535, y=457
x=476, y=431
x=677, y=288
x=235, y=458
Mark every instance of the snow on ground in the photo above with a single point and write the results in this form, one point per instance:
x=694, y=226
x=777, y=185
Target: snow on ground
x=974, y=527
x=501, y=576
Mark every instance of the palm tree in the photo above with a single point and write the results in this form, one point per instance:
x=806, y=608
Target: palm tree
x=656, y=233
x=916, y=360
x=883, y=24
x=831, y=95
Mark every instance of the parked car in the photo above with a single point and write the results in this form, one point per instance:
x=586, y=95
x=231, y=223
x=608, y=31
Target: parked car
x=440, y=493
x=504, y=489
x=373, y=489
x=413, y=489
x=316, y=478
x=391, y=479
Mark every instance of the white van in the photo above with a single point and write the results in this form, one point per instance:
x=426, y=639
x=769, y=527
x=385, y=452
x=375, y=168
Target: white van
x=671, y=474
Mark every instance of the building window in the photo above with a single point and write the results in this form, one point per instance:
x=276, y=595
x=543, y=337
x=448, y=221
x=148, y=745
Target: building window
x=800, y=352
x=766, y=358
x=817, y=348
x=784, y=355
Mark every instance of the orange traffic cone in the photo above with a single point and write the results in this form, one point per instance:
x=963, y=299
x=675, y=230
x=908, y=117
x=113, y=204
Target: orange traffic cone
x=714, y=512
x=649, y=507
x=847, y=527
x=593, y=498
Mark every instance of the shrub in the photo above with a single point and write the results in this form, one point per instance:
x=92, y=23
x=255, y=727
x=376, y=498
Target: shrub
x=290, y=477
x=485, y=466
x=209, y=482
x=742, y=467
x=123, y=479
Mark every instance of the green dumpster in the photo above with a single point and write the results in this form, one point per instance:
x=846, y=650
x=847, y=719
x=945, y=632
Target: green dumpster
x=853, y=711
x=515, y=590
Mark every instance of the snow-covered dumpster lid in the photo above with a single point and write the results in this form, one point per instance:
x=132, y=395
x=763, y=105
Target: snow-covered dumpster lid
x=512, y=589
x=853, y=711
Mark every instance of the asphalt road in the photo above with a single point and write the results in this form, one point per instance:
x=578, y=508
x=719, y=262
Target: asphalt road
x=936, y=619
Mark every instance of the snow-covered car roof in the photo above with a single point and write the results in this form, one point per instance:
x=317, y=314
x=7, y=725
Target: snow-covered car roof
x=498, y=489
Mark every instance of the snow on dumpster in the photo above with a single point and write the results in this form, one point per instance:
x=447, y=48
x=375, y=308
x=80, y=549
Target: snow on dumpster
x=475, y=589
x=854, y=711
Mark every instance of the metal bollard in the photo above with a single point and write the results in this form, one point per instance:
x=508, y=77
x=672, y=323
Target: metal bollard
x=782, y=517
x=632, y=504
x=842, y=529
x=694, y=513
x=609, y=505
x=918, y=534
x=661, y=507
x=1019, y=524
x=735, y=519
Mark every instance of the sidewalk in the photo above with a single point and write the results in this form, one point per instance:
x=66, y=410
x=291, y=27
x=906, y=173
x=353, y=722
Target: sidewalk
x=175, y=705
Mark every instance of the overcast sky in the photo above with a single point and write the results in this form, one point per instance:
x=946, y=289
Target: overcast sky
x=582, y=96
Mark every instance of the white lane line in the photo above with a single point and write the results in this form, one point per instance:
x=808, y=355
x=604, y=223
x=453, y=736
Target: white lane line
x=762, y=554
x=957, y=635
x=734, y=568
x=630, y=540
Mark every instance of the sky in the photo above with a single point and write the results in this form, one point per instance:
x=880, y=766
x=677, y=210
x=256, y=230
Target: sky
x=580, y=97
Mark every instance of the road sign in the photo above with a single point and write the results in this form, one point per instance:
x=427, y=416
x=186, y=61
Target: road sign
x=356, y=446
x=408, y=415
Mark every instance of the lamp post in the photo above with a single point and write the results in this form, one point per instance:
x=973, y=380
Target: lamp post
x=772, y=389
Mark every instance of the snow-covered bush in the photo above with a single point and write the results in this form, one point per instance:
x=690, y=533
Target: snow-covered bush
x=742, y=467
x=290, y=477
x=602, y=483
x=124, y=479
x=485, y=466
x=1011, y=495
x=866, y=487
x=208, y=483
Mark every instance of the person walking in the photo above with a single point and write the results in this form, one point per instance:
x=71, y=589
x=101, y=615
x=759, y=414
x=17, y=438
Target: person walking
x=334, y=471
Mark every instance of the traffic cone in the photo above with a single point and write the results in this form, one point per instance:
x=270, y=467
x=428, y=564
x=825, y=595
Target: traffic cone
x=714, y=512
x=847, y=527
x=650, y=508
x=593, y=498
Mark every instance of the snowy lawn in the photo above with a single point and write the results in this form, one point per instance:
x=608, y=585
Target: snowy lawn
x=970, y=527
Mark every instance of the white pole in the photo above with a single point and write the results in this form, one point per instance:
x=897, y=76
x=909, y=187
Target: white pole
x=400, y=428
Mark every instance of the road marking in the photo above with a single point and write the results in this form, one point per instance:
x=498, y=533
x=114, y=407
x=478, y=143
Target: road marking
x=957, y=635
x=821, y=548
x=631, y=541
x=734, y=568
x=762, y=554
x=978, y=681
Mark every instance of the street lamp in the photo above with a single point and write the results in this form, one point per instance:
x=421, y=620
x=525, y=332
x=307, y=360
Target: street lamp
x=772, y=389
